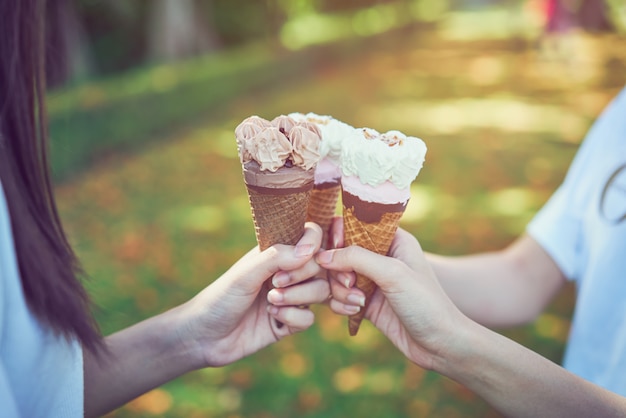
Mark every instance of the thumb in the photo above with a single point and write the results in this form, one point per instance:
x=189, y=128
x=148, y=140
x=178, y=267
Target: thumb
x=256, y=267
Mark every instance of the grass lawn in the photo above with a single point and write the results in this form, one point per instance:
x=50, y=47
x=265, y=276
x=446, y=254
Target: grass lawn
x=501, y=121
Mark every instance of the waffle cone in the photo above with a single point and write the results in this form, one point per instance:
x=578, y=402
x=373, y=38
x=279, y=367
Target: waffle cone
x=375, y=236
x=322, y=207
x=278, y=218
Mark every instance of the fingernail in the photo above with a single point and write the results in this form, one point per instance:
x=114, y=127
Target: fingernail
x=335, y=242
x=273, y=310
x=303, y=250
x=345, y=279
x=281, y=279
x=325, y=257
x=352, y=309
x=358, y=299
x=275, y=296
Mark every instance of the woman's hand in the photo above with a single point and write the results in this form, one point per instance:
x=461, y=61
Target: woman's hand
x=238, y=314
x=409, y=306
x=228, y=320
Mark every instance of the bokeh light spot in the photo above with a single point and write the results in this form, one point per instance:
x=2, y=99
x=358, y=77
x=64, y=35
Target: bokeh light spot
x=209, y=218
x=420, y=205
x=312, y=29
x=486, y=70
x=229, y=399
x=429, y=10
x=373, y=20
x=418, y=408
x=223, y=143
x=552, y=326
x=155, y=402
x=511, y=202
x=349, y=379
x=506, y=114
x=382, y=381
x=294, y=364
x=310, y=397
x=164, y=79
x=538, y=171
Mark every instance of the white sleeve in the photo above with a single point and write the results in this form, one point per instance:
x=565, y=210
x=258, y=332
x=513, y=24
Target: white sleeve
x=41, y=373
x=558, y=230
x=7, y=400
x=559, y=226
x=7, y=397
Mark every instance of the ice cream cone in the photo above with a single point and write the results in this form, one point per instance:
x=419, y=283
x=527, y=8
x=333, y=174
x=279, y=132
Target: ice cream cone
x=327, y=188
x=278, y=214
x=278, y=160
x=377, y=171
x=371, y=226
x=322, y=206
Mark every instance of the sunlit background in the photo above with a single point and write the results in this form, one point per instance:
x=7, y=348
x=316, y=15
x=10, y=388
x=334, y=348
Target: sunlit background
x=145, y=95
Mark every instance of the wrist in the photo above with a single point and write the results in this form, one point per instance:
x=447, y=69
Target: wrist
x=456, y=353
x=179, y=338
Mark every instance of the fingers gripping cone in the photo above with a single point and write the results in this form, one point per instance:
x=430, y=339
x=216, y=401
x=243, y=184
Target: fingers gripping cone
x=373, y=232
x=278, y=215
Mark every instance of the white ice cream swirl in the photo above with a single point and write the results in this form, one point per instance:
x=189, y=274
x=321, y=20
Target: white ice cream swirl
x=376, y=158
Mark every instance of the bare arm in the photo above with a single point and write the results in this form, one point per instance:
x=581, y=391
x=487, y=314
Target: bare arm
x=503, y=288
x=141, y=358
x=415, y=313
x=233, y=317
x=520, y=382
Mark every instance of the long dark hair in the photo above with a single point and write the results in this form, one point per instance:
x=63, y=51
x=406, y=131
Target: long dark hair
x=48, y=267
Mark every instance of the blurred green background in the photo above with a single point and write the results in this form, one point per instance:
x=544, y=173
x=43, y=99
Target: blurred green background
x=144, y=99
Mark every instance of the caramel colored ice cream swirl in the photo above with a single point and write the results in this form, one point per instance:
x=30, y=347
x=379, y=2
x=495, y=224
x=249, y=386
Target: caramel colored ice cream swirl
x=270, y=148
x=283, y=142
x=305, y=144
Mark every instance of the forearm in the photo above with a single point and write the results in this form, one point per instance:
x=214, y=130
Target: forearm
x=503, y=288
x=140, y=358
x=521, y=383
x=480, y=286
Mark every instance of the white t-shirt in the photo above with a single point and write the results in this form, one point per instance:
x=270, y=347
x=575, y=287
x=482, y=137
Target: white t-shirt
x=41, y=375
x=583, y=228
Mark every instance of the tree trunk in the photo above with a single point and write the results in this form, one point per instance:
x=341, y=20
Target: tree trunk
x=179, y=29
x=67, y=51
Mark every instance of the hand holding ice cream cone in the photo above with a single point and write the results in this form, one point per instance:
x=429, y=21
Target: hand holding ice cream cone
x=293, y=158
x=377, y=173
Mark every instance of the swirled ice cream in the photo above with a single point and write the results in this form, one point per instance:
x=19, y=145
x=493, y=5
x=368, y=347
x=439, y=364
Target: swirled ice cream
x=380, y=167
x=283, y=142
